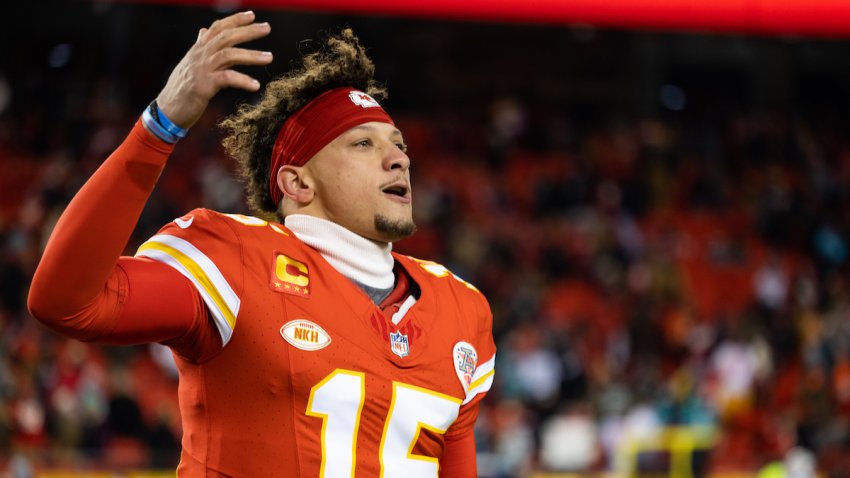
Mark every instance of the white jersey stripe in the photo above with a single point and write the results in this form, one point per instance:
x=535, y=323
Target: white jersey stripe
x=480, y=389
x=484, y=368
x=219, y=297
x=207, y=265
x=482, y=379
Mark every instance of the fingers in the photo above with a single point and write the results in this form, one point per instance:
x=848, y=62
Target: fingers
x=234, y=79
x=240, y=56
x=218, y=43
x=206, y=67
x=233, y=36
x=235, y=20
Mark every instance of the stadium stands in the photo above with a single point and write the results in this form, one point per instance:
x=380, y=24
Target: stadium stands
x=670, y=288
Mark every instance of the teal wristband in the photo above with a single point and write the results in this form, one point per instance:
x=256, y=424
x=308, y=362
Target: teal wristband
x=161, y=126
x=165, y=122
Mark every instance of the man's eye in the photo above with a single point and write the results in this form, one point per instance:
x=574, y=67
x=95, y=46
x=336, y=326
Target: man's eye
x=363, y=143
x=402, y=147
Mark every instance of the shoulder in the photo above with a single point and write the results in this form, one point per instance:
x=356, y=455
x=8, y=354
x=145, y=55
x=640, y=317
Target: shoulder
x=435, y=272
x=476, y=352
x=208, y=227
x=229, y=242
x=440, y=279
x=215, y=251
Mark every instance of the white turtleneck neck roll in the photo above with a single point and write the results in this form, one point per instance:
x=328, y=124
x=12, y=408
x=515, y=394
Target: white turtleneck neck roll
x=356, y=257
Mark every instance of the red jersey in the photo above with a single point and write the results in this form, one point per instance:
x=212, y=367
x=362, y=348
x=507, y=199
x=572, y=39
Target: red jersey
x=313, y=379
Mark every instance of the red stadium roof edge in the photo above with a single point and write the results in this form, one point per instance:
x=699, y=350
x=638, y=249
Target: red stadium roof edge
x=767, y=17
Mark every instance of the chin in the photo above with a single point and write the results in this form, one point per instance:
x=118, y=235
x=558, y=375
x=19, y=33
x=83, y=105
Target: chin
x=394, y=229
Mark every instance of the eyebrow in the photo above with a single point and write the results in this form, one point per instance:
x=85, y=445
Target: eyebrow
x=395, y=132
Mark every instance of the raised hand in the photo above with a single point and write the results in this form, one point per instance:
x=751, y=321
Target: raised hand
x=207, y=67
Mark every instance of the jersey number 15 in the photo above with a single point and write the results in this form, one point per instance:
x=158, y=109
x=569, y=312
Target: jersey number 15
x=338, y=400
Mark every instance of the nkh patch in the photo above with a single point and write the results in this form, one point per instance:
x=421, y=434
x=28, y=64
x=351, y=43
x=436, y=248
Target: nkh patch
x=305, y=335
x=399, y=344
x=465, y=360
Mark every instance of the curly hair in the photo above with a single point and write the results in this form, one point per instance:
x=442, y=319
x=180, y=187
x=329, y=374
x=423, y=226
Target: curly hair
x=252, y=130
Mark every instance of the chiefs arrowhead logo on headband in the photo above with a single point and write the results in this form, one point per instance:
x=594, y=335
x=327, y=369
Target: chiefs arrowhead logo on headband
x=318, y=123
x=362, y=99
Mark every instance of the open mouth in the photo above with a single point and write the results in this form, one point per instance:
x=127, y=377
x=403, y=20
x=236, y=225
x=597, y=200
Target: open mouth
x=399, y=190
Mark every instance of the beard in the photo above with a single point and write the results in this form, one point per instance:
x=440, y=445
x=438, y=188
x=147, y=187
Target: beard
x=394, y=230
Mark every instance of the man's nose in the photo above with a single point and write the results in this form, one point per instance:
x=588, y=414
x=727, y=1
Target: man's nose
x=396, y=159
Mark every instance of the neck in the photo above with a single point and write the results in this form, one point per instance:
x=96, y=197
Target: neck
x=356, y=257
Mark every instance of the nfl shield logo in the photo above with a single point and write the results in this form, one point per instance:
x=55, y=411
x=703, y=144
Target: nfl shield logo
x=399, y=344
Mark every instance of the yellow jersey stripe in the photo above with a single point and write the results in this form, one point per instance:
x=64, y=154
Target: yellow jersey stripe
x=481, y=380
x=485, y=386
x=222, y=311
x=198, y=274
x=484, y=368
x=208, y=266
x=225, y=320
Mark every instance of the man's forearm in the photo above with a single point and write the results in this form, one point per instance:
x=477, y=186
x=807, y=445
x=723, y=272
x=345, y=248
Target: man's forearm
x=94, y=229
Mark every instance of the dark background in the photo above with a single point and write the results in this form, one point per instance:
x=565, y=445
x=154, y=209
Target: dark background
x=649, y=213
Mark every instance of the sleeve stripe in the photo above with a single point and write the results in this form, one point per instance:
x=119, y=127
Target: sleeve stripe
x=219, y=297
x=482, y=379
x=483, y=369
x=480, y=389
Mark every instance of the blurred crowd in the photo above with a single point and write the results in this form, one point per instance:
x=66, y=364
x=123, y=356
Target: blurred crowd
x=662, y=286
x=654, y=282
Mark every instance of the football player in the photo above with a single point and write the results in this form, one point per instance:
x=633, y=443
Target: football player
x=305, y=346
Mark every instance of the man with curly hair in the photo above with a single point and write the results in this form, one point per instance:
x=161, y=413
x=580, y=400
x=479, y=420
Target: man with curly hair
x=306, y=348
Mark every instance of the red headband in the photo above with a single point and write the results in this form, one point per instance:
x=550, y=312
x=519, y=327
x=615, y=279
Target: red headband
x=318, y=123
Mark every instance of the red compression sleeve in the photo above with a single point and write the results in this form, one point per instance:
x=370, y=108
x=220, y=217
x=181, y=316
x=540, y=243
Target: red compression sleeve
x=158, y=306
x=458, y=459
x=79, y=287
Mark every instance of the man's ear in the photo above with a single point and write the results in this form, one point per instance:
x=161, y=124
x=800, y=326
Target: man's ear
x=295, y=184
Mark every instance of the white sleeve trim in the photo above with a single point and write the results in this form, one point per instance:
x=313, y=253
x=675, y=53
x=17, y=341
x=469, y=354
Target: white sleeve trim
x=220, y=298
x=482, y=379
